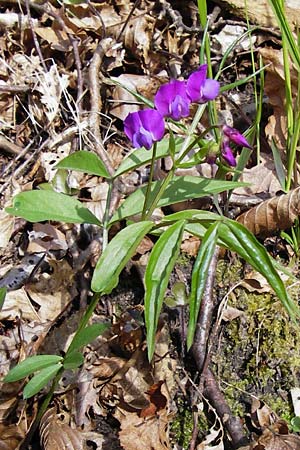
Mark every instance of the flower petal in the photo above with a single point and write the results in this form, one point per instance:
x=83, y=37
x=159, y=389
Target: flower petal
x=235, y=136
x=154, y=122
x=171, y=100
x=144, y=127
x=210, y=90
x=195, y=83
x=227, y=154
x=131, y=124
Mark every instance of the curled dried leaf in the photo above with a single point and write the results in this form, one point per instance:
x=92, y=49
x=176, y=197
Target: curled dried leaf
x=277, y=213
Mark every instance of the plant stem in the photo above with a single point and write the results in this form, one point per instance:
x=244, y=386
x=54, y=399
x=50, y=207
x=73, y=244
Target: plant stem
x=106, y=215
x=148, y=191
x=160, y=193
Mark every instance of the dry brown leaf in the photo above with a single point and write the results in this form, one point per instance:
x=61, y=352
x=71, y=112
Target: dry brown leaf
x=138, y=36
x=127, y=102
x=6, y=228
x=277, y=213
x=10, y=436
x=45, y=237
x=275, y=89
x=140, y=434
x=18, y=304
x=260, y=12
x=262, y=179
x=271, y=440
x=52, y=293
x=57, y=435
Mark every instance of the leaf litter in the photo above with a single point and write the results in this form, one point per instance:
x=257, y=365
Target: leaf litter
x=116, y=398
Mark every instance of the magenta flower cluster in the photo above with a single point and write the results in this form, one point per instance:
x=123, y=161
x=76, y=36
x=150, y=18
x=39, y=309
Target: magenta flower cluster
x=173, y=100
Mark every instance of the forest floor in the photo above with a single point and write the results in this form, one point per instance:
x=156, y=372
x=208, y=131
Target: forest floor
x=117, y=399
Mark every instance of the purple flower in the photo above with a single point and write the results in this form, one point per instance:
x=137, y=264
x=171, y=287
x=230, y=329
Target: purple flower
x=201, y=89
x=144, y=127
x=235, y=136
x=227, y=153
x=171, y=100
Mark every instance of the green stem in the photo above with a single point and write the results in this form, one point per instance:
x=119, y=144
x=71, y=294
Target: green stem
x=160, y=193
x=148, y=191
x=106, y=215
x=191, y=130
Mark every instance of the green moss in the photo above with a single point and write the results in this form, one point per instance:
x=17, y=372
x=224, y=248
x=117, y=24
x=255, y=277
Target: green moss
x=258, y=352
x=182, y=425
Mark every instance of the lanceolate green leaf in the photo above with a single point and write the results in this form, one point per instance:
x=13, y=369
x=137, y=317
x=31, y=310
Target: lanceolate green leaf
x=40, y=380
x=142, y=156
x=199, y=277
x=31, y=365
x=116, y=255
x=36, y=206
x=84, y=161
x=239, y=239
x=160, y=265
x=87, y=335
x=179, y=189
x=73, y=360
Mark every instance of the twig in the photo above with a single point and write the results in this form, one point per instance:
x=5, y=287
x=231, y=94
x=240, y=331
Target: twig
x=9, y=147
x=35, y=39
x=199, y=348
x=208, y=384
x=11, y=89
x=96, y=102
x=233, y=424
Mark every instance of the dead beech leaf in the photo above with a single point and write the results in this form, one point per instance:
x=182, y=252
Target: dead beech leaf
x=140, y=434
x=18, y=304
x=271, y=440
x=10, y=436
x=261, y=12
x=6, y=228
x=138, y=36
x=57, y=435
x=125, y=101
x=275, y=89
x=262, y=179
x=277, y=213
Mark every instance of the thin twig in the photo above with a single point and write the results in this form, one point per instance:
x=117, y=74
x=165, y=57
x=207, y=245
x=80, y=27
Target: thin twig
x=34, y=37
x=9, y=147
x=203, y=327
x=96, y=102
x=208, y=383
x=12, y=89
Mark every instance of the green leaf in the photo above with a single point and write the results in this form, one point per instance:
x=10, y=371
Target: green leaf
x=116, y=255
x=286, y=31
x=237, y=238
x=199, y=277
x=157, y=275
x=40, y=380
x=142, y=156
x=30, y=365
x=84, y=161
x=3, y=291
x=87, y=335
x=180, y=189
x=36, y=206
x=295, y=422
x=73, y=360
